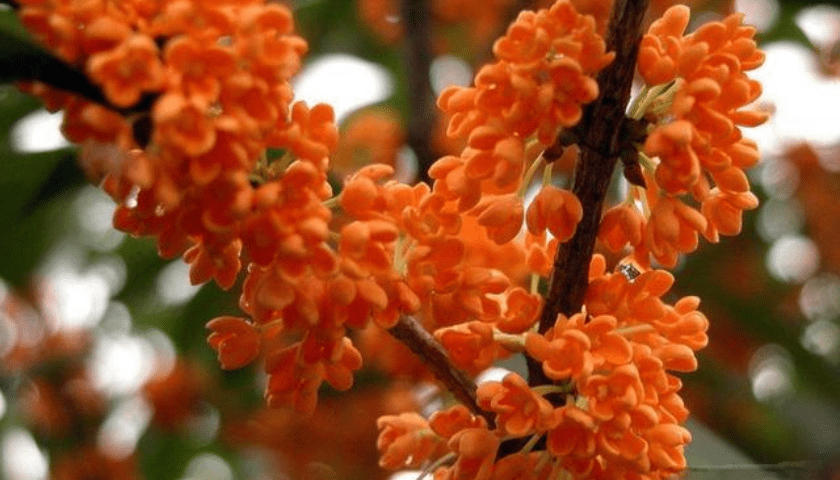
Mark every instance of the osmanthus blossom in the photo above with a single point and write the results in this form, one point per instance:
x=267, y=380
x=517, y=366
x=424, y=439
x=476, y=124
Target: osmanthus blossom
x=622, y=413
x=614, y=360
x=696, y=98
x=543, y=75
x=215, y=160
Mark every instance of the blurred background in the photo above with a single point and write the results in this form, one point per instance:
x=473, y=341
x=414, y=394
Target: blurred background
x=104, y=368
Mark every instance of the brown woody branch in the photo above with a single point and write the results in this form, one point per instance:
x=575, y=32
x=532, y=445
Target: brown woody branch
x=22, y=60
x=414, y=336
x=602, y=123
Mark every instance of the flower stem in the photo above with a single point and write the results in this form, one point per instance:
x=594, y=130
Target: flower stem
x=415, y=337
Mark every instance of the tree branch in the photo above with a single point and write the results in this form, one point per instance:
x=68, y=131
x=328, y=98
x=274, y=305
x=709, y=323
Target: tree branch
x=601, y=125
x=22, y=60
x=416, y=20
x=414, y=336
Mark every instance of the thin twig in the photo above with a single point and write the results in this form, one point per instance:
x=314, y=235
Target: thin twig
x=414, y=336
x=601, y=125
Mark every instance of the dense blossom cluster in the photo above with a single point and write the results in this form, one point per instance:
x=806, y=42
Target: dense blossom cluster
x=202, y=147
x=543, y=76
x=613, y=362
x=204, y=91
x=210, y=156
x=697, y=88
x=622, y=411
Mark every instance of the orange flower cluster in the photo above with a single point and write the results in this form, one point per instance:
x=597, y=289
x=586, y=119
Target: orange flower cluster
x=205, y=92
x=401, y=251
x=622, y=414
x=697, y=88
x=209, y=155
x=221, y=167
x=407, y=251
x=544, y=73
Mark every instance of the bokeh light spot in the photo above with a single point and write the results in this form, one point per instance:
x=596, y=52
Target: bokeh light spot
x=173, y=285
x=343, y=81
x=22, y=460
x=771, y=372
x=778, y=218
x=793, y=259
x=820, y=23
x=819, y=298
x=40, y=131
x=120, y=364
x=207, y=466
x=763, y=14
x=120, y=432
x=447, y=70
x=823, y=338
x=807, y=104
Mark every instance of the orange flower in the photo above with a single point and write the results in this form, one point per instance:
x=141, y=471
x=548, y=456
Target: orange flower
x=724, y=210
x=619, y=391
x=104, y=33
x=494, y=154
x=292, y=383
x=183, y=124
x=452, y=182
x=236, y=341
x=221, y=263
x=544, y=73
x=128, y=70
x=341, y=363
x=556, y=209
x=502, y=216
x=574, y=436
x=452, y=420
x=686, y=325
x=621, y=225
x=673, y=228
x=695, y=134
x=661, y=46
x=564, y=352
x=573, y=348
x=521, y=312
x=519, y=411
x=470, y=345
x=311, y=134
x=666, y=442
x=622, y=448
x=405, y=440
x=198, y=68
x=680, y=167
x=476, y=449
